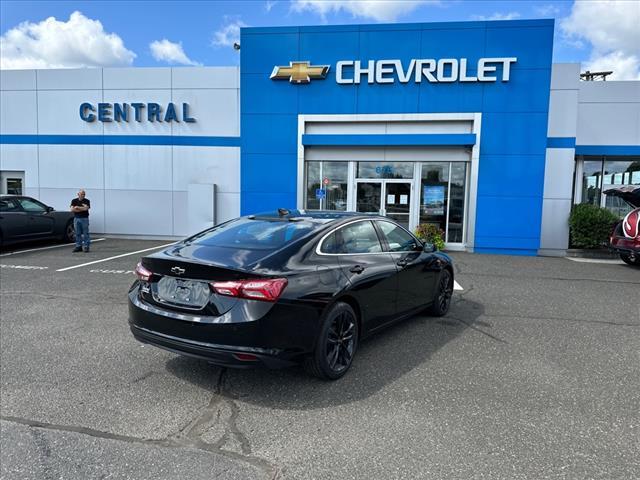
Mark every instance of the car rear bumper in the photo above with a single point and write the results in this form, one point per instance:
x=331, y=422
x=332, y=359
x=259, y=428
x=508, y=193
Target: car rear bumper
x=278, y=339
x=625, y=245
x=223, y=355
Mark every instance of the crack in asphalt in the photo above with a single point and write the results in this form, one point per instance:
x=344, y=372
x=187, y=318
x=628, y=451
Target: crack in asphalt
x=565, y=319
x=189, y=436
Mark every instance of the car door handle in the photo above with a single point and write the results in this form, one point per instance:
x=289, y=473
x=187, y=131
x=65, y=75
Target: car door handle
x=357, y=269
x=402, y=263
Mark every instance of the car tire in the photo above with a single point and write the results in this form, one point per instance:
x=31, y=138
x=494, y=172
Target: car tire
x=626, y=258
x=336, y=344
x=69, y=234
x=442, y=298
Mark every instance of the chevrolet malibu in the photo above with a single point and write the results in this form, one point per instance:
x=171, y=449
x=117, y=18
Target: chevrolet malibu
x=286, y=287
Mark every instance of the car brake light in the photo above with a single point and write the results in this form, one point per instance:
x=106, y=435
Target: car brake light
x=268, y=290
x=142, y=273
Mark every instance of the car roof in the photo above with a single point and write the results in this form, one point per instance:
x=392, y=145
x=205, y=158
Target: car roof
x=314, y=216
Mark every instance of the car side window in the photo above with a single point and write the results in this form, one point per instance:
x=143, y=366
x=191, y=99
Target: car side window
x=358, y=237
x=31, y=205
x=399, y=240
x=9, y=205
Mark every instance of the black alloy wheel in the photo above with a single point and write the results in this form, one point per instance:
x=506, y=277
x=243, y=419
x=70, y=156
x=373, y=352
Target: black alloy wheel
x=444, y=292
x=69, y=232
x=336, y=344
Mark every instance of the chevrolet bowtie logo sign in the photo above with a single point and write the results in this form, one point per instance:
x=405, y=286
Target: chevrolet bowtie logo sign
x=299, y=72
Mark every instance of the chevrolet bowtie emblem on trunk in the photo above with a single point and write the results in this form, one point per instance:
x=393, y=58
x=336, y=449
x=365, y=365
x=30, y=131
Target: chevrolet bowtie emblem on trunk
x=177, y=270
x=299, y=72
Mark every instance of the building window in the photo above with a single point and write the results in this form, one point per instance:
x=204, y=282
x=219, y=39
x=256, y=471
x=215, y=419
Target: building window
x=331, y=178
x=442, y=197
x=600, y=173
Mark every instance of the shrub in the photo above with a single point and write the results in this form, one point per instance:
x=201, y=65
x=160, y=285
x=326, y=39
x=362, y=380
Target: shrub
x=590, y=225
x=430, y=233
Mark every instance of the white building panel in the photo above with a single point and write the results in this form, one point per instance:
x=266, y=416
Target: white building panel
x=227, y=206
x=216, y=112
x=71, y=166
x=21, y=158
x=60, y=199
x=563, y=113
x=211, y=165
x=59, y=112
x=565, y=76
x=137, y=167
x=608, y=124
x=133, y=127
x=201, y=207
x=180, y=214
x=70, y=79
x=131, y=212
x=18, y=114
x=554, y=235
x=206, y=77
x=558, y=175
x=136, y=78
x=17, y=80
x=610, y=92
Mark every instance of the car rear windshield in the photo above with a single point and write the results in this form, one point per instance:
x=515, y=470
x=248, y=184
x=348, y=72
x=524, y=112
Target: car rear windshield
x=255, y=234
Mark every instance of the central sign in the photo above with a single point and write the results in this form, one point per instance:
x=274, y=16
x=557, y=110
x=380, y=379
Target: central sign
x=444, y=70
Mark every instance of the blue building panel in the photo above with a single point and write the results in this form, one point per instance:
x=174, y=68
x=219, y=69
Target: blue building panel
x=513, y=138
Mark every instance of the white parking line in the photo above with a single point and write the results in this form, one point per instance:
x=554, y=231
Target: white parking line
x=46, y=248
x=113, y=258
x=457, y=286
x=23, y=267
x=100, y=270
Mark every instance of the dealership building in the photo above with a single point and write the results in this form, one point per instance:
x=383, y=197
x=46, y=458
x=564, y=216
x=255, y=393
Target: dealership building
x=469, y=126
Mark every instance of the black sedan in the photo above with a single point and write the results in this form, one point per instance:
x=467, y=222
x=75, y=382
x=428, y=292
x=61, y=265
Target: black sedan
x=24, y=219
x=286, y=287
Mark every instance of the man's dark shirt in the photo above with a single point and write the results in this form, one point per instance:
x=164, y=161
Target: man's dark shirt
x=76, y=202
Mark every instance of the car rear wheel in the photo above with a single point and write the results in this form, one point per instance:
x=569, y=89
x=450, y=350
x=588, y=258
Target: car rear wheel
x=442, y=298
x=628, y=259
x=336, y=344
x=69, y=232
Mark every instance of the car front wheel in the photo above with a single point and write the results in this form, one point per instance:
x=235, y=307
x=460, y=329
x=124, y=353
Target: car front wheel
x=442, y=298
x=336, y=344
x=69, y=232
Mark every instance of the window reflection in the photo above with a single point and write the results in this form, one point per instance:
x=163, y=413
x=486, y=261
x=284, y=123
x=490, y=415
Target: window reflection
x=335, y=195
x=602, y=173
x=384, y=170
x=434, y=193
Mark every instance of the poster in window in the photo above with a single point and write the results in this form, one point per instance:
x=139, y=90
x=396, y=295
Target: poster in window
x=433, y=199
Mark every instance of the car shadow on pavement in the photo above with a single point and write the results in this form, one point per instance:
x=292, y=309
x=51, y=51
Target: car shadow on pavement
x=380, y=360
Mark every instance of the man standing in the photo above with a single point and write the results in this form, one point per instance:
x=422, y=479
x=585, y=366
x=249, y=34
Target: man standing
x=80, y=207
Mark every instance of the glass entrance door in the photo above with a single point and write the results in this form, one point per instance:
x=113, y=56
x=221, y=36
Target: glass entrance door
x=385, y=197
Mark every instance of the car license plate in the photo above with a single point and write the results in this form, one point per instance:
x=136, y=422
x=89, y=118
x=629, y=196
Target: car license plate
x=188, y=293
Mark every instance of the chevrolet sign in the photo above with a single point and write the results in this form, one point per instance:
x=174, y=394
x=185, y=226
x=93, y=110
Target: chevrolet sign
x=444, y=70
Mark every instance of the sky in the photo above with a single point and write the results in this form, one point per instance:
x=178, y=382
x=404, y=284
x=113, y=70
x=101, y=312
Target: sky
x=602, y=35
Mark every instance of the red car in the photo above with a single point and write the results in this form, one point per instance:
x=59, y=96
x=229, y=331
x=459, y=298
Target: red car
x=625, y=237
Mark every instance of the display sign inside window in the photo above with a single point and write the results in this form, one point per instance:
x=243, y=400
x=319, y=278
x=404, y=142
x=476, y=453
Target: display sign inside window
x=433, y=199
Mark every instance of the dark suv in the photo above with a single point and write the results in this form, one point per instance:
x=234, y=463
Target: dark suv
x=625, y=237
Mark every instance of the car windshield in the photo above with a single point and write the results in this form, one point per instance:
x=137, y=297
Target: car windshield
x=257, y=234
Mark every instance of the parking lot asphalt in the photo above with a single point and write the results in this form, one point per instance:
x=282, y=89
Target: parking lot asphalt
x=535, y=373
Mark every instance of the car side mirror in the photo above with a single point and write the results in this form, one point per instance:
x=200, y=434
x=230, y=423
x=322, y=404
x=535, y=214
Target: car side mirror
x=429, y=247
x=50, y=209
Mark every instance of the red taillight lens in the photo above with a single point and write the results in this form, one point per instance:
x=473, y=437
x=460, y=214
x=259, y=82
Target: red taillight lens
x=266, y=290
x=143, y=273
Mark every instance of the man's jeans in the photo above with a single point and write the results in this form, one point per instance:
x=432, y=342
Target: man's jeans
x=82, y=231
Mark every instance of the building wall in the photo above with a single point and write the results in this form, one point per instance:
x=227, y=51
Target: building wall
x=514, y=113
x=138, y=182
x=585, y=118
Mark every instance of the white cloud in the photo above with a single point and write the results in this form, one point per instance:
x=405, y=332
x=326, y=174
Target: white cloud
x=380, y=10
x=269, y=5
x=79, y=42
x=170, y=52
x=229, y=33
x=612, y=29
x=548, y=11
x=497, y=16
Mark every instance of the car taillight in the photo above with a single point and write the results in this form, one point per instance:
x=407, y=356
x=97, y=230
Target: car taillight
x=142, y=273
x=266, y=290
